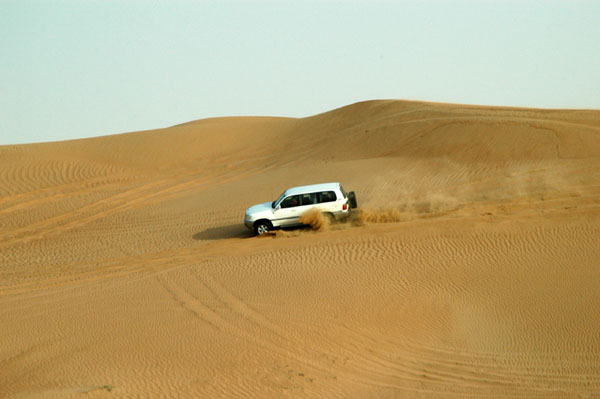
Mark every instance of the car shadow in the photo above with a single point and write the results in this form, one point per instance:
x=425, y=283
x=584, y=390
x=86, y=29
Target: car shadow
x=223, y=232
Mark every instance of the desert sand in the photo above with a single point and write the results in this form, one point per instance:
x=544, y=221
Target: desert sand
x=471, y=270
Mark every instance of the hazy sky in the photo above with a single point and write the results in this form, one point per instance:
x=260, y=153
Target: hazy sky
x=71, y=69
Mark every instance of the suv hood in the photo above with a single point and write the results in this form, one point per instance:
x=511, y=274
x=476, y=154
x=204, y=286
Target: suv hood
x=255, y=210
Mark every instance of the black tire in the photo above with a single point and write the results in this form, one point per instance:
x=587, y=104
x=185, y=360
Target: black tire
x=352, y=200
x=261, y=227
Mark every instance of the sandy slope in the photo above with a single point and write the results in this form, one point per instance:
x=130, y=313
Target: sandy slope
x=473, y=270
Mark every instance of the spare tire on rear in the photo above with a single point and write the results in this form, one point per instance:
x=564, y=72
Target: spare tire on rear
x=352, y=200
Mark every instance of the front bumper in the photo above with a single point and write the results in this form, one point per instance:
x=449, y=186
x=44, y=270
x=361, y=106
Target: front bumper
x=249, y=223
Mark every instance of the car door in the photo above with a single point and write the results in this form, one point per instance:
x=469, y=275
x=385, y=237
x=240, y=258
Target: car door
x=308, y=201
x=288, y=211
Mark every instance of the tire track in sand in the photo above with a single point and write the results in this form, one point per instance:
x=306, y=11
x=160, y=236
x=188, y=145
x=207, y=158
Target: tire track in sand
x=366, y=368
x=239, y=320
x=443, y=370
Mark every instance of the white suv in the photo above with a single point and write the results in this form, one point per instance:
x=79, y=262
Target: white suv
x=329, y=198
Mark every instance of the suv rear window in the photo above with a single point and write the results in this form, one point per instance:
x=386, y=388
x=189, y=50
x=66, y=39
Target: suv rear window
x=343, y=191
x=327, y=196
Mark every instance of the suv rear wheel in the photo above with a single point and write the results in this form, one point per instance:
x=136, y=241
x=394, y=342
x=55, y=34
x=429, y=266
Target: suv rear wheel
x=330, y=217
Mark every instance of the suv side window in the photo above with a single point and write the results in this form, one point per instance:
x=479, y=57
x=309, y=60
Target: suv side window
x=327, y=196
x=291, y=201
x=309, y=199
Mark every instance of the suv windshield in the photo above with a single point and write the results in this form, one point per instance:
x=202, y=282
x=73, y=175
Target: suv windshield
x=276, y=202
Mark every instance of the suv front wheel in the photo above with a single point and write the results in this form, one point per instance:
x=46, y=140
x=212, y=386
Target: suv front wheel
x=261, y=227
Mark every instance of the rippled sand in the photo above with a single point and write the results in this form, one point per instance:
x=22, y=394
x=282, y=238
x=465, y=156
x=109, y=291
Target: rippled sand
x=471, y=270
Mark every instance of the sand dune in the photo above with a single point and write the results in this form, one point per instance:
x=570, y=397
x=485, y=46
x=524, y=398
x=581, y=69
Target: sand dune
x=471, y=270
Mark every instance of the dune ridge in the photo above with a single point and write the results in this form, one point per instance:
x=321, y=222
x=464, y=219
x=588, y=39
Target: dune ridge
x=470, y=268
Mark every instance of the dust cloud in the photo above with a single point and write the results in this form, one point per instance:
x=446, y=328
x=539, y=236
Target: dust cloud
x=315, y=219
x=391, y=212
